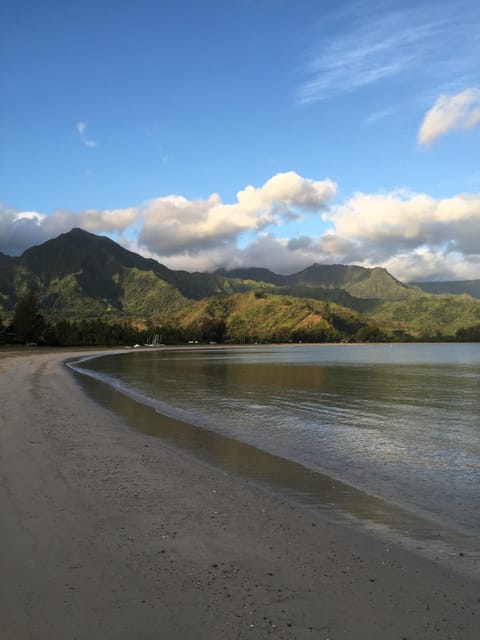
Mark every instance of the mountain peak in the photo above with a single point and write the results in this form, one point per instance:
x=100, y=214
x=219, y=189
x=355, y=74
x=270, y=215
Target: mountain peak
x=77, y=232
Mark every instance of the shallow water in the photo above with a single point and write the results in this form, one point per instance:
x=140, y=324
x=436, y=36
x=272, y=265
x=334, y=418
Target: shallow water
x=401, y=422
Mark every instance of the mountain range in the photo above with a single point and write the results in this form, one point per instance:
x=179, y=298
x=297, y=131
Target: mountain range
x=456, y=287
x=80, y=275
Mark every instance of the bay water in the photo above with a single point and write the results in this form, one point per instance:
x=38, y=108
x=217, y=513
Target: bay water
x=399, y=423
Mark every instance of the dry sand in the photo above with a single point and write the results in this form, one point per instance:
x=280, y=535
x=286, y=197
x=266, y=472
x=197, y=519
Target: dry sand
x=110, y=534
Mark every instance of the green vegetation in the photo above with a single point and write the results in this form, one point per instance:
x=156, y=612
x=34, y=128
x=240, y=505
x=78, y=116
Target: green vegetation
x=85, y=289
x=428, y=316
x=93, y=333
x=457, y=287
x=257, y=317
x=28, y=323
x=469, y=334
x=319, y=281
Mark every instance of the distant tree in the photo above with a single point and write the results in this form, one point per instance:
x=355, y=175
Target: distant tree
x=237, y=330
x=28, y=323
x=370, y=333
x=469, y=334
x=170, y=333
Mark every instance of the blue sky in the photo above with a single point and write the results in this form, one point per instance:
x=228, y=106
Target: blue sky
x=267, y=132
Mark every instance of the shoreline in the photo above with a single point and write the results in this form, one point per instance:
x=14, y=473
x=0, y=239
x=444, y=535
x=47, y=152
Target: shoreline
x=308, y=485
x=112, y=533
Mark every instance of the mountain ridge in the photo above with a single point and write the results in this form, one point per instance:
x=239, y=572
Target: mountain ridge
x=455, y=287
x=80, y=275
x=79, y=264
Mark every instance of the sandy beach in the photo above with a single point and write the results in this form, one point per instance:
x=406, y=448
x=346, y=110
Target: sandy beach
x=107, y=533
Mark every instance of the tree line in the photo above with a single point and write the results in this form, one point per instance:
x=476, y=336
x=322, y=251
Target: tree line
x=29, y=326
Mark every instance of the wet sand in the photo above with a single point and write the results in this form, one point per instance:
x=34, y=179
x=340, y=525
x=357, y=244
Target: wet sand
x=107, y=533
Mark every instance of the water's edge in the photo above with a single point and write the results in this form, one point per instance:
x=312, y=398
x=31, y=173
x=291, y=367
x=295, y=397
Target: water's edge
x=317, y=490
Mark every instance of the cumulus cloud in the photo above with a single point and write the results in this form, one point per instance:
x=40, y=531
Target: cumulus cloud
x=413, y=235
x=174, y=224
x=425, y=263
x=401, y=220
x=20, y=230
x=278, y=254
x=450, y=113
x=82, y=132
x=107, y=220
x=426, y=239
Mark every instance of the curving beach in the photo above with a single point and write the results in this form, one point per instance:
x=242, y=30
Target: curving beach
x=107, y=533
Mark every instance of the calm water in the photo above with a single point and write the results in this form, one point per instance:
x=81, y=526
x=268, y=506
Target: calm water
x=400, y=422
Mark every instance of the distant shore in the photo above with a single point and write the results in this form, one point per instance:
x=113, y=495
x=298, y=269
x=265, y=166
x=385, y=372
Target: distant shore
x=112, y=534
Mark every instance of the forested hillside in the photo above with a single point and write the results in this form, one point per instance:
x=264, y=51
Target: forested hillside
x=456, y=287
x=87, y=289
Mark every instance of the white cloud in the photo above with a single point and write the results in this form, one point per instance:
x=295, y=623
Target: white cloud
x=413, y=235
x=174, y=224
x=82, y=131
x=408, y=233
x=29, y=215
x=401, y=219
x=428, y=44
x=19, y=230
x=450, y=113
x=424, y=264
x=377, y=116
x=108, y=220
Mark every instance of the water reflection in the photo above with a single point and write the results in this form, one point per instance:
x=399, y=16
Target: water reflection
x=401, y=423
x=286, y=476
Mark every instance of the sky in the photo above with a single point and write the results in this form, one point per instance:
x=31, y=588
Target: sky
x=268, y=133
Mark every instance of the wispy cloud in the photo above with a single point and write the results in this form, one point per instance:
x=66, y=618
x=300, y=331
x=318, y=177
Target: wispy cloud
x=82, y=129
x=450, y=113
x=378, y=116
x=432, y=43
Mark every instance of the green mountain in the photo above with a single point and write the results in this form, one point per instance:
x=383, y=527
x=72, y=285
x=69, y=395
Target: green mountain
x=82, y=275
x=79, y=275
x=254, y=274
x=359, y=282
x=5, y=261
x=256, y=317
x=428, y=315
x=456, y=287
x=314, y=281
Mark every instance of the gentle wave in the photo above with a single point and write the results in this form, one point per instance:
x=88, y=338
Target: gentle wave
x=401, y=422
x=128, y=390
